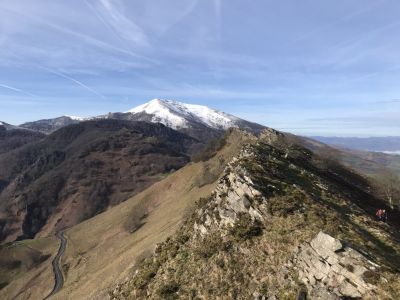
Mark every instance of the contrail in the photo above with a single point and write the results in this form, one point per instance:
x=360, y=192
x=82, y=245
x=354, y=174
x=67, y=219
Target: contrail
x=86, y=38
x=60, y=75
x=74, y=80
x=16, y=90
x=108, y=26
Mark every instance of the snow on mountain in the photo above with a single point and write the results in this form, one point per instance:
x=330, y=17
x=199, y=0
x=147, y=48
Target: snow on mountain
x=177, y=115
x=75, y=118
x=7, y=126
x=196, y=119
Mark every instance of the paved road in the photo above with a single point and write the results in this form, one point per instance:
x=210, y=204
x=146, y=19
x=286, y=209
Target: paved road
x=58, y=276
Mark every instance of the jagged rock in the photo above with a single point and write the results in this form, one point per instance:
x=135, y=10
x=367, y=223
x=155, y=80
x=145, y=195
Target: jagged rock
x=233, y=195
x=271, y=135
x=324, y=244
x=332, y=270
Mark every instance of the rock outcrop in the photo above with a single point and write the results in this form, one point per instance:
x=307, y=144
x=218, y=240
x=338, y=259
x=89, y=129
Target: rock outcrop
x=332, y=270
x=234, y=195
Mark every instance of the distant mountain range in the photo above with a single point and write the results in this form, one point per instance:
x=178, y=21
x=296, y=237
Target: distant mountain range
x=189, y=118
x=390, y=144
x=201, y=122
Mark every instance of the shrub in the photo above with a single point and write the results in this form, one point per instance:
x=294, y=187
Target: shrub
x=246, y=228
x=147, y=272
x=169, y=290
x=3, y=284
x=209, y=246
x=350, y=268
x=264, y=289
x=136, y=218
x=371, y=277
x=286, y=205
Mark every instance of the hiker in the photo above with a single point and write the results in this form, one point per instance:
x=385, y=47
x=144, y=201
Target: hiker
x=384, y=215
x=379, y=214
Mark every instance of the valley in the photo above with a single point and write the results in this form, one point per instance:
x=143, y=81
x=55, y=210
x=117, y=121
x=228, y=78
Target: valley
x=199, y=150
x=185, y=207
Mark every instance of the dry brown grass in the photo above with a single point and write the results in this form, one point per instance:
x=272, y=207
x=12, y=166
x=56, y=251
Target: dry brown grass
x=103, y=250
x=33, y=277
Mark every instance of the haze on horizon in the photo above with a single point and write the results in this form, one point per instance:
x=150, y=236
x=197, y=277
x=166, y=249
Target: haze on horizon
x=312, y=68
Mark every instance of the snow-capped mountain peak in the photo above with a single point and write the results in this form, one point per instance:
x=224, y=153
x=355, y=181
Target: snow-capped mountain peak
x=161, y=112
x=197, y=119
x=179, y=115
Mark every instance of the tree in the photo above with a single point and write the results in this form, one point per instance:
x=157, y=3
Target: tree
x=390, y=188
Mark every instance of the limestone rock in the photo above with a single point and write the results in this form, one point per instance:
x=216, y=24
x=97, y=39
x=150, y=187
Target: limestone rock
x=332, y=270
x=234, y=194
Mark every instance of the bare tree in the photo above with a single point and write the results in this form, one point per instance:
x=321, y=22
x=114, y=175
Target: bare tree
x=390, y=188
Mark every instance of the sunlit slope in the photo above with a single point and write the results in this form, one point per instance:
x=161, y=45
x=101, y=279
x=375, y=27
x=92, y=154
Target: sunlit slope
x=103, y=249
x=25, y=268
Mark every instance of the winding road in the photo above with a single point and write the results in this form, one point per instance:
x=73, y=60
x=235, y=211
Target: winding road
x=58, y=276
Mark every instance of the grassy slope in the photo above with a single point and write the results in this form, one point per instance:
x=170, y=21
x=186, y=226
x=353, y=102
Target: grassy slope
x=366, y=163
x=31, y=273
x=103, y=250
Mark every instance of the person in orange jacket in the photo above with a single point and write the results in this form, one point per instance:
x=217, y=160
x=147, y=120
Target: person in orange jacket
x=379, y=214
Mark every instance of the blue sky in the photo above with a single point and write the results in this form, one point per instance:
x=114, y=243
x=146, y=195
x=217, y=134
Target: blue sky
x=310, y=67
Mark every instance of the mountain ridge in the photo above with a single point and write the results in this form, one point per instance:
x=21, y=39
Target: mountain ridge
x=177, y=115
x=271, y=203
x=81, y=170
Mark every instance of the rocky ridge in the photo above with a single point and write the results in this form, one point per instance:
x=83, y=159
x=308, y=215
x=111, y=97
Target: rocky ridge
x=232, y=197
x=259, y=235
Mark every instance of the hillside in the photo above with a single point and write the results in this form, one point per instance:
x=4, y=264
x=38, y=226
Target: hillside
x=382, y=144
x=272, y=216
x=282, y=223
x=50, y=125
x=105, y=248
x=383, y=170
x=12, y=137
x=81, y=170
x=244, y=202
x=372, y=163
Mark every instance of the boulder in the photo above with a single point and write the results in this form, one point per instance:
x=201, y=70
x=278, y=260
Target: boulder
x=332, y=270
